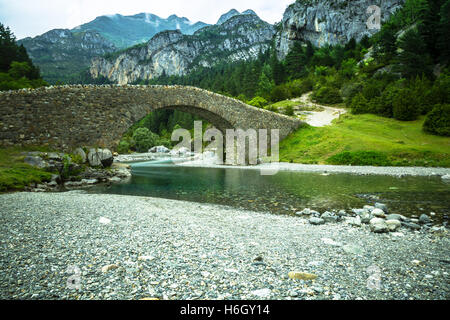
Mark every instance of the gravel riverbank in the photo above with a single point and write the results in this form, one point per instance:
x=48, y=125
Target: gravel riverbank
x=361, y=170
x=134, y=247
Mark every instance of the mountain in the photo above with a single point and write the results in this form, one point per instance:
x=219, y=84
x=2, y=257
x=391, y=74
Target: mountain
x=329, y=22
x=126, y=31
x=232, y=13
x=241, y=37
x=61, y=53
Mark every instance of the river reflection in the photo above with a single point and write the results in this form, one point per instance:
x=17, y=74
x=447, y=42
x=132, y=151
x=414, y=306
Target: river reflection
x=285, y=192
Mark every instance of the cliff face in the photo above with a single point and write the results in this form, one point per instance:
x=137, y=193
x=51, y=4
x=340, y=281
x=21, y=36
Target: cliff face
x=329, y=21
x=61, y=52
x=240, y=37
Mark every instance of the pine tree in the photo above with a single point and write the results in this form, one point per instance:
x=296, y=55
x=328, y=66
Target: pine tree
x=265, y=85
x=413, y=60
x=385, y=48
x=278, y=71
x=295, y=61
x=443, y=40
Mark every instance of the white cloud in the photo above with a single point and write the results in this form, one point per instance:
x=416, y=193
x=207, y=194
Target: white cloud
x=33, y=17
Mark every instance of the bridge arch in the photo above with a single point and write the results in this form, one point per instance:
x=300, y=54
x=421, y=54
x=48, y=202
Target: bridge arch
x=67, y=117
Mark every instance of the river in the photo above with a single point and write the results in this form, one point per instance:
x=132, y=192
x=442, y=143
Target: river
x=286, y=192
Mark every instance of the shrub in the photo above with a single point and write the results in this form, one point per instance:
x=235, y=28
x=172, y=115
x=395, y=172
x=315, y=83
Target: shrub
x=349, y=68
x=327, y=95
x=165, y=142
x=359, y=158
x=440, y=93
x=350, y=90
x=144, y=139
x=289, y=110
x=405, y=106
x=421, y=90
x=124, y=147
x=242, y=97
x=279, y=93
x=372, y=89
x=438, y=120
x=299, y=87
x=272, y=108
x=359, y=104
x=258, y=102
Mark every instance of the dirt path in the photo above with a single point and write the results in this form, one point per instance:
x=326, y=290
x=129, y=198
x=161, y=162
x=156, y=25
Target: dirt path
x=317, y=118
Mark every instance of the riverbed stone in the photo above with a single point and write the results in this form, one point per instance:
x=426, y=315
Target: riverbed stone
x=36, y=161
x=356, y=222
x=378, y=225
x=329, y=217
x=109, y=267
x=298, y=275
x=424, y=219
x=381, y=206
x=394, y=216
x=366, y=217
x=411, y=225
x=378, y=213
x=304, y=212
x=316, y=221
x=393, y=225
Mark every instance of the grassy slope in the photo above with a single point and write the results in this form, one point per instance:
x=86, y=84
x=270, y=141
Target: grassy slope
x=404, y=143
x=15, y=174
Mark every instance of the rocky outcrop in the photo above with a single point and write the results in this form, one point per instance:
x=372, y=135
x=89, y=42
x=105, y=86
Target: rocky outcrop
x=329, y=22
x=171, y=53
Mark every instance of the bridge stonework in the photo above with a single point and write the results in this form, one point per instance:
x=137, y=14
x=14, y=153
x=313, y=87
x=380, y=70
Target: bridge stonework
x=66, y=117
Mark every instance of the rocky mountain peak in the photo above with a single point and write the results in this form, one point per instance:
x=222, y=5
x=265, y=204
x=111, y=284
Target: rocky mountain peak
x=232, y=13
x=228, y=15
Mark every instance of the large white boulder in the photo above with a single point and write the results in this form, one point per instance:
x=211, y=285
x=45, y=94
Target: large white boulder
x=100, y=158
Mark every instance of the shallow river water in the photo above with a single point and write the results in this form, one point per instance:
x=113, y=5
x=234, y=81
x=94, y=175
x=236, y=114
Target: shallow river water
x=286, y=192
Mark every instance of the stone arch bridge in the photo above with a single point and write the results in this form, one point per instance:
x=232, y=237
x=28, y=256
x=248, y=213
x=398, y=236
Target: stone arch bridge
x=67, y=117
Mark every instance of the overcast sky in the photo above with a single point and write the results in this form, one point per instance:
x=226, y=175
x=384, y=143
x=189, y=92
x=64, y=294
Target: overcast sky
x=33, y=17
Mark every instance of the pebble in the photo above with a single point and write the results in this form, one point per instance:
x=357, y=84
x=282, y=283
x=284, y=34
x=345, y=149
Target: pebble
x=104, y=220
x=297, y=275
x=109, y=267
x=262, y=293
